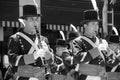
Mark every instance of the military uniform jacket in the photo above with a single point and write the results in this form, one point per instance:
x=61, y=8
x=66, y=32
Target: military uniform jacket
x=83, y=51
x=65, y=62
x=86, y=53
x=18, y=49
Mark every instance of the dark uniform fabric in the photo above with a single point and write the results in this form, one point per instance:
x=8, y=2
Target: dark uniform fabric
x=1, y=78
x=118, y=69
x=113, y=69
x=54, y=66
x=111, y=64
x=18, y=46
x=66, y=69
x=65, y=59
x=84, y=46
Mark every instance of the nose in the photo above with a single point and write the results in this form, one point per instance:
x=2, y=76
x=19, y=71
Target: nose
x=96, y=27
x=35, y=23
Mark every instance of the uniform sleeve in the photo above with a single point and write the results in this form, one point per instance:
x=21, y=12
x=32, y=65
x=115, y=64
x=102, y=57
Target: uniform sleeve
x=81, y=54
x=118, y=57
x=112, y=62
x=82, y=57
x=67, y=58
x=16, y=56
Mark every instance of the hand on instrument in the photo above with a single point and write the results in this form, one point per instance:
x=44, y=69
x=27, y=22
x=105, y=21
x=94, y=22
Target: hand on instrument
x=44, y=46
x=48, y=54
x=39, y=53
x=103, y=45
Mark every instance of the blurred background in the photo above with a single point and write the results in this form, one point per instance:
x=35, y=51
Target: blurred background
x=57, y=15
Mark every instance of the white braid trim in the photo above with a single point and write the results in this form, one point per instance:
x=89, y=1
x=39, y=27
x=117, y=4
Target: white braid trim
x=18, y=59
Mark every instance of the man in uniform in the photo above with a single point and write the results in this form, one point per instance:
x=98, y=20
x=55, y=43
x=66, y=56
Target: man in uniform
x=71, y=37
x=63, y=59
x=62, y=55
x=93, y=53
x=28, y=51
x=91, y=62
x=113, y=69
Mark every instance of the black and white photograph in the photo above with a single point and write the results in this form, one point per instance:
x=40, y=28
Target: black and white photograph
x=59, y=39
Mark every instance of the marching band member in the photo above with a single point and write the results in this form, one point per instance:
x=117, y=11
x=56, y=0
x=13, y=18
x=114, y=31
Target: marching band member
x=113, y=69
x=63, y=59
x=95, y=53
x=91, y=60
x=71, y=37
x=63, y=53
x=27, y=49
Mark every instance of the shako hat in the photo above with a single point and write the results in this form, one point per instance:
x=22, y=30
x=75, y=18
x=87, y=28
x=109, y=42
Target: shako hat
x=61, y=43
x=90, y=15
x=29, y=11
x=72, y=35
x=114, y=39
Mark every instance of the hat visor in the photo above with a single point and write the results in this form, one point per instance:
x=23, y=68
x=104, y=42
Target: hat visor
x=25, y=16
x=84, y=21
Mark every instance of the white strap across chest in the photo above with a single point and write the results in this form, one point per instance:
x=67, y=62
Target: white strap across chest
x=93, y=44
x=29, y=40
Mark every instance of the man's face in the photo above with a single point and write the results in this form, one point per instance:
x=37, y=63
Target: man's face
x=60, y=50
x=114, y=46
x=31, y=22
x=91, y=28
